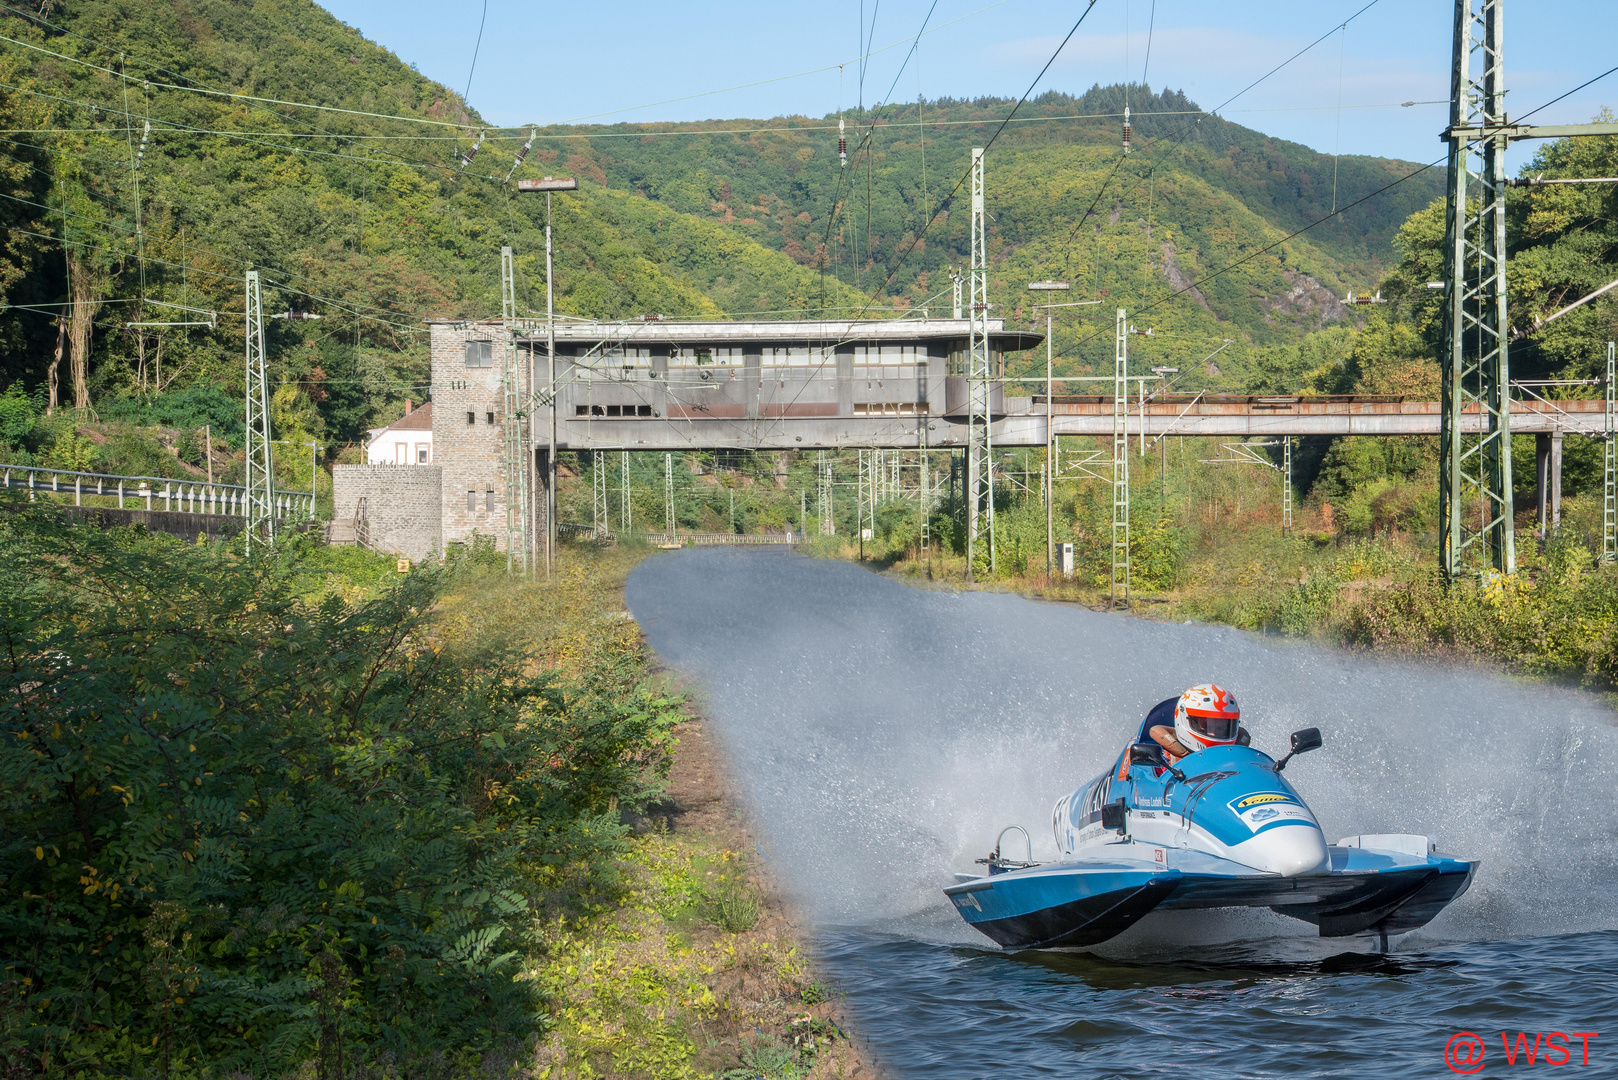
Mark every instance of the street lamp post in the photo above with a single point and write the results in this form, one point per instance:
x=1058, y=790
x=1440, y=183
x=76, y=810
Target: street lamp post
x=1050, y=454
x=548, y=185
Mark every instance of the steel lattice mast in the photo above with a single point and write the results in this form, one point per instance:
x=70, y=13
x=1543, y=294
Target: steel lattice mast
x=625, y=511
x=515, y=458
x=260, y=456
x=670, y=525
x=1120, y=462
x=1286, y=485
x=1609, y=472
x=1475, y=498
x=823, y=503
x=979, y=454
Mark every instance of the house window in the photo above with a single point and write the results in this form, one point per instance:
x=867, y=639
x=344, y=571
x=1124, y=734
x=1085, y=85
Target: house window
x=479, y=354
x=422, y=453
x=401, y=453
x=471, y=502
x=488, y=500
x=471, y=418
x=491, y=416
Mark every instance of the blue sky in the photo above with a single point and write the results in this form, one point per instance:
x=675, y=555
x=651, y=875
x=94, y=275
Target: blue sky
x=635, y=61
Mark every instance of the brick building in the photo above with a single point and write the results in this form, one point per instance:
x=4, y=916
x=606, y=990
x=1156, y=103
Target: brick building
x=676, y=386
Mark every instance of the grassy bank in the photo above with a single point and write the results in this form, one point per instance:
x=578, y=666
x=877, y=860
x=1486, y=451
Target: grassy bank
x=300, y=814
x=684, y=961
x=1557, y=618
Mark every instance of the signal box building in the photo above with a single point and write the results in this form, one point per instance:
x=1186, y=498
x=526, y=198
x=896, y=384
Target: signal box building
x=677, y=386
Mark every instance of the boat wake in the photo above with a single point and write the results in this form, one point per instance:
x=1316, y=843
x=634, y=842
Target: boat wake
x=884, y=735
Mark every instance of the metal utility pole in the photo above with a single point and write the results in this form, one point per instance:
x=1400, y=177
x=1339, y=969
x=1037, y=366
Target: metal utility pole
x=1286, y=485
x=598, y=490
x=515, y=464
x=1609, y=484
x=549, y=185
x=1050, y=288
x=260, y=457
x=1475, y=471
x=823, y=503
x=1120, y=463
x=669, y=524
x=980, y=389
x=625, y=510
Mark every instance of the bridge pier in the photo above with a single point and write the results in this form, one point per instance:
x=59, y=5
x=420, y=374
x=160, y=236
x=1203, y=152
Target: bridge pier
x=1548, y=474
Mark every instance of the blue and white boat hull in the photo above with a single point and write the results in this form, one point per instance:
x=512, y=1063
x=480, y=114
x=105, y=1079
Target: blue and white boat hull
x=1224, y=829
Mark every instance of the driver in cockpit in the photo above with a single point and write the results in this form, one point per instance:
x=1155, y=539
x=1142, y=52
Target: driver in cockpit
x=1205, y=716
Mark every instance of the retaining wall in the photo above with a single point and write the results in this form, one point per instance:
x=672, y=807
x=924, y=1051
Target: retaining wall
x=403, y=505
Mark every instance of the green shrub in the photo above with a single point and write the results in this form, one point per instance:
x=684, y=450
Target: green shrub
x=239, y=831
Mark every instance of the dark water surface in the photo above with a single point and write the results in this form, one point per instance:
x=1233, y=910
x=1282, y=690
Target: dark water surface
x=885, y=734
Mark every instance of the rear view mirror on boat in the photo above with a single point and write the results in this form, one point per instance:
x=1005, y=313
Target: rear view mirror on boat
x=1112, y=814
x=1150, y=753
x=1303, y=741
x=1147, y=753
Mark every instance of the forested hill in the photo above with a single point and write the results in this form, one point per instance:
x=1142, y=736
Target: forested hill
x=373, y=223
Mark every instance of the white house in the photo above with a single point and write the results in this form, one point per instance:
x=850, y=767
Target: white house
x=407, y=441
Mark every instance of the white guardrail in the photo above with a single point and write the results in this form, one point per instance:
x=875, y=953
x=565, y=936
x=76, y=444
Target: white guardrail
x=192, y=496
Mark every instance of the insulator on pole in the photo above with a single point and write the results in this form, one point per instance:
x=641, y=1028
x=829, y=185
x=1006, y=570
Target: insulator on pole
x=140, y=152
x=522, y=152
x=466, y=158
x=842, y=146
x=1126, y=129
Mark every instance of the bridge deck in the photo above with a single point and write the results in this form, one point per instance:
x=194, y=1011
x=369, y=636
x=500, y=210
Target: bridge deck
x=1023, y=423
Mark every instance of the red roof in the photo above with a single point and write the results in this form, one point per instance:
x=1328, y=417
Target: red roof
x=420, y=420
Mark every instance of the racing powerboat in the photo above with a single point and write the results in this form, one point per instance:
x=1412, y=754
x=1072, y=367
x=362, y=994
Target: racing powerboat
x=1219, y=828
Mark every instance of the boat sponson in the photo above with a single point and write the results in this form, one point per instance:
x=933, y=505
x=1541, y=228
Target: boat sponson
x=1395, y=902
x=1084, y=921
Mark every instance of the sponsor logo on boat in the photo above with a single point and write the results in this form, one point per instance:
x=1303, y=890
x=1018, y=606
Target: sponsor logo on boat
x=967, y=900
x=1265, y=797
x=1268, y=808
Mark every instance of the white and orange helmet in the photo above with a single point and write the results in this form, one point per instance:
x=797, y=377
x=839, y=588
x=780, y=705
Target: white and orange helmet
x=1206, y=716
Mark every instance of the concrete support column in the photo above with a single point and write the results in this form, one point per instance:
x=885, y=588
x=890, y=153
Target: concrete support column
x=1556, y=480
x=1548, y=478
x=541, y=503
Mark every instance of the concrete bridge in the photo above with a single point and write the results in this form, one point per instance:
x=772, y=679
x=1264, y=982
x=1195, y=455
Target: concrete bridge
x=1023, y=423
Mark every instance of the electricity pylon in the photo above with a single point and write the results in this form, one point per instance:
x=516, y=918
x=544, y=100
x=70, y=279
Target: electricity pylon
x=1120, y=463
x=1609, y=472
x=516, y=460
x=979, y=453
x=260, y=455
x=1475, y=500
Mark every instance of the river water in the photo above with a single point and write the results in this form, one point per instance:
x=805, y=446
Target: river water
x=885, y=734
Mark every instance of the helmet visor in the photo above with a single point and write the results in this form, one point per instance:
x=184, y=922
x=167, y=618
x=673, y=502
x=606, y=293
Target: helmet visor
x=1213, y=728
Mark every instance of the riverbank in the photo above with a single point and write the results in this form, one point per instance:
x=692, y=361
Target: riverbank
x=1556, y=619
x=688, y=961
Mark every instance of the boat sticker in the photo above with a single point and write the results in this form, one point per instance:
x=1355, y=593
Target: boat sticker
x=1271, y=808
x=966, y=900
x=1157, y=856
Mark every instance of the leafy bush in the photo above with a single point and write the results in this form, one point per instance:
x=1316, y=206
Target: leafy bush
x=242, y=831
x=199, y=404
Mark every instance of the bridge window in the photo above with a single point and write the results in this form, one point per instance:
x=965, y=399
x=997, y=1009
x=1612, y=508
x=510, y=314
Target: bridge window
x=889, y=354
x=619, y=356
x=890, y=408
x=701, y=356
x=796, y=356
x=957, y=364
